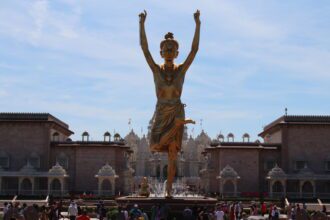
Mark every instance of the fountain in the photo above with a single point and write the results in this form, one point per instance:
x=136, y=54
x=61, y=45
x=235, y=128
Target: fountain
x=180, y=199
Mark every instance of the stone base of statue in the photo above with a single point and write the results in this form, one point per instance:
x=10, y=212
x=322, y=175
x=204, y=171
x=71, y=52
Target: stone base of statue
x=175, y=205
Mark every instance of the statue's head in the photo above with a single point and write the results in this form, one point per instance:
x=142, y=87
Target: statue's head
x=169, y=47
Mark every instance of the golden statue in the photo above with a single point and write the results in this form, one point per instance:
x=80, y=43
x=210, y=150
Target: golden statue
x=169, y=117
x=144, y=188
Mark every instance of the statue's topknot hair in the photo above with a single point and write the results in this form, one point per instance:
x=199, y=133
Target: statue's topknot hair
x=169, y=37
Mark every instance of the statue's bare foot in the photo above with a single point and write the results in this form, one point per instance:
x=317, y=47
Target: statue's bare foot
x=168, y=195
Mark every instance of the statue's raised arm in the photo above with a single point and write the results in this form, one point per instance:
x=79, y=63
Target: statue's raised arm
x=144, y=42
x=194, y=47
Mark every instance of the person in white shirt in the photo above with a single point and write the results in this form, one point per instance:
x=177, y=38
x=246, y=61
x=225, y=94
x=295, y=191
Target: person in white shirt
x=73, y=210
x=219, y=214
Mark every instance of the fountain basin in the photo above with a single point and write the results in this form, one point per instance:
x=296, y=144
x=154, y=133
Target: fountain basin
x=175, y=204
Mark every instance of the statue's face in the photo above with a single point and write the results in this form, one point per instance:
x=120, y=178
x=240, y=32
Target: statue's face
x=169, y=51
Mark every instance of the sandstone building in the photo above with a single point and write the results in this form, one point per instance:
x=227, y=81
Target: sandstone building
x=37, y=156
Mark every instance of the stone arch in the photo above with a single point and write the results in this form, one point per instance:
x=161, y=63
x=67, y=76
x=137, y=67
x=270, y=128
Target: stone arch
x=56, y=136
x=106, y=186
x=228, y=186
x=246, y=137
x=221, y=138
x=230, y=137
x=26, y=186
x=278, y=187
x=85, y=136
x=55, y=185
x=107, y=136
x=307, y=187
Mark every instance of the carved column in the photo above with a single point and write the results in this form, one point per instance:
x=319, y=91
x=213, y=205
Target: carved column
x=284, y=187
x=62, y=185
x=271, y=182
x=113, y=186
x=0, y=185
x=20, y=180
x=314, y=188
x=235, y=187
x=50, y=179
x=32, y=184
x=99, y=185
x=301, y=183
x=221, y=187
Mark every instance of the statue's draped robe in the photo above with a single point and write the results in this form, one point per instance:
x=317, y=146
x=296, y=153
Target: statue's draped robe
x=168, y=119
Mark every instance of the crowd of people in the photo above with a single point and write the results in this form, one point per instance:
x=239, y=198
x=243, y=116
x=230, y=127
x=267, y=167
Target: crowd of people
x=16, y=211
x=222, y=211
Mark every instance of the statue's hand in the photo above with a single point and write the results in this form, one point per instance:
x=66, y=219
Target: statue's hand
x=196, y=17
x=143, y=16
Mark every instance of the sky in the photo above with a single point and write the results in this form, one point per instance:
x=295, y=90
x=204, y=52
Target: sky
x=81, y=62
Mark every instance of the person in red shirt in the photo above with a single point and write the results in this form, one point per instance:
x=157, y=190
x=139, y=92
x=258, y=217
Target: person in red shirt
x=263, y=209
x=83, y=216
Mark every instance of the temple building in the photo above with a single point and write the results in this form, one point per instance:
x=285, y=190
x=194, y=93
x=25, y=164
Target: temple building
x=293, y=160
x=37, y=157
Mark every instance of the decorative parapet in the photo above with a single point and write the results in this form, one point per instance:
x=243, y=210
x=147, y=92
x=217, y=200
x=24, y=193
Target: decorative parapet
x=228, y=173
x=276, y=173
x=106, y=171
x=57, y=171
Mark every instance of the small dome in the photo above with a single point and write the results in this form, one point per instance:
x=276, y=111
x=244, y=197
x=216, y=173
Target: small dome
x=117, y=135
x=106, y=171
x=306, y=171
x=85, y=133
x=276, y=173
x=107, y=133
x=28, y=169
x=57, y=170
x=220, y=137
x=228, y=172
x=230, y=135
x=246, y=135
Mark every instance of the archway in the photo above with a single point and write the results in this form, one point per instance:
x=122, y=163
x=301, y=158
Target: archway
x=307, y=187
x=55, y=186
x=26, y=186
x=106, y=187
x=277, y=187
x=229, y=188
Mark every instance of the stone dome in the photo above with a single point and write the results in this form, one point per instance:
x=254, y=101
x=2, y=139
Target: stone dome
x=28, y=169
x=228, y=172
x=106, y=171
x=276, y=173
x=57, y=170
x=306, y=171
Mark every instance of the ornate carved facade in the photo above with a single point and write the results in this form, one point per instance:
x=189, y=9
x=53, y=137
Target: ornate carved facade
x=38, y=157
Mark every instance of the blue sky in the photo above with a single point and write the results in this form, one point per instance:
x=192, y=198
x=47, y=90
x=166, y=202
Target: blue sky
x=81, y=61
